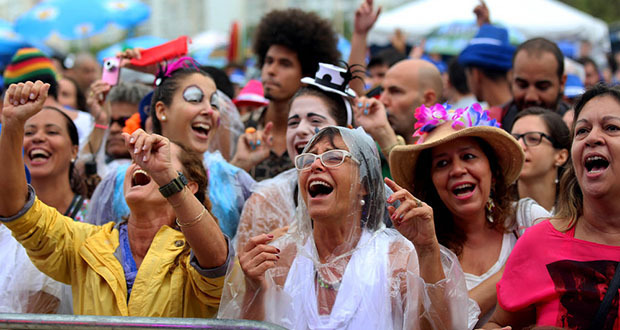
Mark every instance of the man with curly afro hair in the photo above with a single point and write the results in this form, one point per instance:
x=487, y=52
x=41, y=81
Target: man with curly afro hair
x=289, y=44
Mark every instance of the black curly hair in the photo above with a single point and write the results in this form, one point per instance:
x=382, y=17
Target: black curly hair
x=305, y=33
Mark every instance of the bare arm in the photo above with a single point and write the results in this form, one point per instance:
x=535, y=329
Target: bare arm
x=372, y=116
x=365, y=18
x=100, y=110
x=200, y=229
x=414, y=220
x=485, y=294
x=517, y=320
x=21, y=102
x=483, y=15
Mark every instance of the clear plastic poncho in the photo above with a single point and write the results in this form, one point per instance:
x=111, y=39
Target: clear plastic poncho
x=271, y=206
x=229, y=130
x=24, y=288
x=108, y=201
x=362, y=275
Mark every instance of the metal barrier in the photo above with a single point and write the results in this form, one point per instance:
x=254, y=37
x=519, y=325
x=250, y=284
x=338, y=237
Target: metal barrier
x=79, y=322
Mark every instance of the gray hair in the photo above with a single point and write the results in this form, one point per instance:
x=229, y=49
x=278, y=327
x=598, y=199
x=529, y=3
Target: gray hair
x=131, y=93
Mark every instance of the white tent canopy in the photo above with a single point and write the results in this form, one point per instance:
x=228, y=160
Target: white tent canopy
x=534, y=18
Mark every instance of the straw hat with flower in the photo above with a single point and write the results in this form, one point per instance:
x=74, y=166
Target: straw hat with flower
x=438, y=125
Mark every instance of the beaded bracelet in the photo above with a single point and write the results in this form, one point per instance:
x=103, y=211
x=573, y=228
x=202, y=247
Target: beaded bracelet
x=193, y=221
x=104, y=127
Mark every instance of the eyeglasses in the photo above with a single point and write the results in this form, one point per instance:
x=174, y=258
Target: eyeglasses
x=532, y=139
x=120, y=121
x=332, y=158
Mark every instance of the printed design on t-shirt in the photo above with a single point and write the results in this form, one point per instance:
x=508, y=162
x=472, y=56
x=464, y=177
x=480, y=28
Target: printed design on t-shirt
x=581, y=286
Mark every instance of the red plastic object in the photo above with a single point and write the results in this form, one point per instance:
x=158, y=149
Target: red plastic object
x=169, y=50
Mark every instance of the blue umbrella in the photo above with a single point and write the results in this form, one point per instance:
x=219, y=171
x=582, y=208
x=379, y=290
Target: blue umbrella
x=210, y=57
x=78, y=19
x=137, y=42
x=10, y=42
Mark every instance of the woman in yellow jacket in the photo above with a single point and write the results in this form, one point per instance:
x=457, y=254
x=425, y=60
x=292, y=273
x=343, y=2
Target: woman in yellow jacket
x=143, y=267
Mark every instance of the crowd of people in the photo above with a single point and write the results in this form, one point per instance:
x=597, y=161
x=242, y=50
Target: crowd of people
x=387, y=192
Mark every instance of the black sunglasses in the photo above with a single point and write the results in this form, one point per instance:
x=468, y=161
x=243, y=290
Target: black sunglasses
x=119, y=120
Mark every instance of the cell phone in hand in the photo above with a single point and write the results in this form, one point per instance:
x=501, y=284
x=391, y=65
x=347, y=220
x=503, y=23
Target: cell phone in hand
x=166, y=51
x=111, y=70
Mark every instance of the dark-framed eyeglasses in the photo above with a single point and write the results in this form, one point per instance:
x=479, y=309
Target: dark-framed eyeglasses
x=119, y=120
x=331, y=158
x=532, y=139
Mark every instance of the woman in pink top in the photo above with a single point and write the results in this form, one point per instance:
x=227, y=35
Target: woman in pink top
x=561, y=270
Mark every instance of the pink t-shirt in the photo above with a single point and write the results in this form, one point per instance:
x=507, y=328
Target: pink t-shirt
x=563, y=277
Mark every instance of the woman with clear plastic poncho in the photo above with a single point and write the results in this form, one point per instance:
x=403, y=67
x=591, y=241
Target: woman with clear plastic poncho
x=271, y=207
x=340, y=267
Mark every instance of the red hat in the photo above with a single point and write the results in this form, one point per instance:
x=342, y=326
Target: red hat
x=251, y=94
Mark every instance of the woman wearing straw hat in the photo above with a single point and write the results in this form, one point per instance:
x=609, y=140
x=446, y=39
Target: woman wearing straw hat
x=462, y=165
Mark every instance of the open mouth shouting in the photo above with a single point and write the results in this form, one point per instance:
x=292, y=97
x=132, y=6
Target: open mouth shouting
x=596, y=164
x=463, y=190
x=319, y=188
x=38, y=156
x=140, y=178
x=201, y=129
x=299, y=147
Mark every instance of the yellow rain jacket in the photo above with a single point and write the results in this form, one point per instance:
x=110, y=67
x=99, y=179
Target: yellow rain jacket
x=83, y=255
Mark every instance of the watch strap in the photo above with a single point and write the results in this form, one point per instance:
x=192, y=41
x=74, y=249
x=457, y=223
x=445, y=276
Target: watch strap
x=177, y=184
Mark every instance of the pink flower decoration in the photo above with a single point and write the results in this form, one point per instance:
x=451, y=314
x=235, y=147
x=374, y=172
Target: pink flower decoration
x=429, y=118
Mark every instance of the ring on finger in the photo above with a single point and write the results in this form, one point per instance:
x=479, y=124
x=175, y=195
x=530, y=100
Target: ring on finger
x=418, y=202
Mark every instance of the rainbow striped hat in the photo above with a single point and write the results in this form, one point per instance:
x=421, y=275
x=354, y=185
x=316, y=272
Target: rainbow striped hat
x=29, y=64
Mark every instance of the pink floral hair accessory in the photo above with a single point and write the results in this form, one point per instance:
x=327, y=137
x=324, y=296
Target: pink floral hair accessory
x=429, y=118
x=167, y=70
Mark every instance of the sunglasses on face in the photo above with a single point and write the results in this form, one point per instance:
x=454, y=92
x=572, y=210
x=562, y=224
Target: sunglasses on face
x=332, y=158
x=119, y=120
x=532, y=139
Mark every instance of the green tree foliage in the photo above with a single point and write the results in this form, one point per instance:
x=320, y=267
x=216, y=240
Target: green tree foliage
x=607, y=10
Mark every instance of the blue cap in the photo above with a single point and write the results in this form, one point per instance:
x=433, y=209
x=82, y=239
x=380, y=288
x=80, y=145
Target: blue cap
x=439, y=64
x=489, y=49
x=144, y=108
x=574, y=86
x=237, y=77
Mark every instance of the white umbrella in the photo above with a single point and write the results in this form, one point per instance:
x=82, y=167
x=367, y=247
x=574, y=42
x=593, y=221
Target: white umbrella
x=534, y=18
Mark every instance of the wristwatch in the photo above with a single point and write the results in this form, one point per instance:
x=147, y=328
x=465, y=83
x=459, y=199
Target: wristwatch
x=173, y=186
